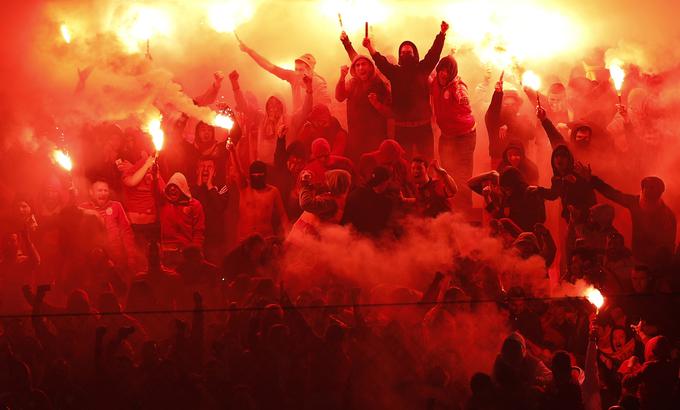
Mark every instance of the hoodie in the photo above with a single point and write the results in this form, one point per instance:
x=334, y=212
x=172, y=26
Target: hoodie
x=526, y=166
x=451, y=102
x=526, y=210
x=366, y=126
x=182, y=222
x=410, y=89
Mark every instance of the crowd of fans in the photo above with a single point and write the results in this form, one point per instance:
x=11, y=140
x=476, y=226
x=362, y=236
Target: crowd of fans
x=168, y=288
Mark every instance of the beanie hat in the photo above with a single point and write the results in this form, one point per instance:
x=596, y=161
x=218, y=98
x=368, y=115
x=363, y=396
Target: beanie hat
x=320, y=148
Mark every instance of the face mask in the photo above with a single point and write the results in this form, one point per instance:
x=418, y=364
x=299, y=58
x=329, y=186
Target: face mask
x=407, y=60
x=258, y=182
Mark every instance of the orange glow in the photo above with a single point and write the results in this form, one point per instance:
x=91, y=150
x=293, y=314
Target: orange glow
x=531, y=80
x=157, y=136
x=223, y=121
x=617, y=74
x=226, y=16
x=139, y=24
x=353, y=14
x=595, y=297
x=65, y=33
x=63, y=159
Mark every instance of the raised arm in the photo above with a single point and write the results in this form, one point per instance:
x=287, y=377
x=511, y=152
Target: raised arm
x=476, y=184
x=388, y=69
x=280, y=154
x=241, y=102
x=449, y=182
x=613, y=194
x=311, y=202
x=432, y=57
x=136, y=177
x=351, y=52
x=553, y=134
x=282, y=73
x=492, y=118
x=280, y=212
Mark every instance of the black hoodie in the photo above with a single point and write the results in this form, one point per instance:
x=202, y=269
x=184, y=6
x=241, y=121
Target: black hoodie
x=526, y=166
x=410, y=82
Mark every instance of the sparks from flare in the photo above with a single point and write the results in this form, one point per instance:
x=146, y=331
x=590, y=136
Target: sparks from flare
x=595, y=297
x=65, y=33
x=531, y=80
x=226, y=16
x=223, y=121
x=617, y=74
x=139, y=24
x=157, y=135
x=63, y=159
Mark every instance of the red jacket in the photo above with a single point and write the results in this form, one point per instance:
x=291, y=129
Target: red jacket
x=120, y=239
x=452, y=107
x=183, y=222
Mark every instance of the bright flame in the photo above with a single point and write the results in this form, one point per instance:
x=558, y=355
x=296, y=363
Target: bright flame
x=65, y=33
x=531, y=80
x=226, y=16
x=223, y=121
x=500, y=32
x=157, y=136
x=140, y=23
x=617, y=74
x=63, y=159
x=595, y=297
x=355, y=13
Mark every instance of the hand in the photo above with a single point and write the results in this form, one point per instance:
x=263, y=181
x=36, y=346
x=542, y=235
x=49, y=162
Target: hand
x=367, y=43
x=123, y=165
x=583, y=171
x=344, y=70
x=233, y=76
x=622, y=110
x=532, y=190
x=243, y=47
x=541, y=114
x=373, y=99
x=503, y=132
x=343, y=36
x=444, y=27
x=499, y=86
x=218, y=76
x=437, y=168
x=307, y=81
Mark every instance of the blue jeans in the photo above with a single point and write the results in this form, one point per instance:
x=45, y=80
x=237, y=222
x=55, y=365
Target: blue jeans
x=457, y=157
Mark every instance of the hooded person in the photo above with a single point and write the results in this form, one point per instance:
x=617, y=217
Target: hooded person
x=322, y=160
x=321, y=124
x=369, y=207
x=182, y=219
x=304, y=67
x=410, y=92
x=504, y=122
x=514, y=156
x=452, y=110
x=516, y=371
x=368, y=101
x=522, y=206
x=289, y=161
x=390, y=155
x=599, y=226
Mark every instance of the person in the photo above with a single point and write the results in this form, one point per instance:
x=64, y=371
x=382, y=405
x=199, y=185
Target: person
x=273, y=121
x=324, y=207
x=214, y=200
x=581, y=136
x=391, y=155
x=431, y=196
x=182, y=220
x=304, y=67
x=655, y=379
x=197, y=275
x=321, y=124
x=261, y=209
x=520, y=203
x=289, y=161
x=562, y=392
x=515, y=156
x=322, y=160
x=206, y=145
x=120, y=239
x=451, y=105
x=369, y=207
x=504, y=122
x=368, y=106
x=410, y=94
x=654, y=223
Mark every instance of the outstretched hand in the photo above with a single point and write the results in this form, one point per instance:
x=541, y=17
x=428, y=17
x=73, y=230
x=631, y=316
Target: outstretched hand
x=444, y=27
x=584, y=171
x=343, y=36
x=541, y=114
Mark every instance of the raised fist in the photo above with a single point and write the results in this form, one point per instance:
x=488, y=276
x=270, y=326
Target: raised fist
x=344, y=70
x=233, y=76
x=444, y=27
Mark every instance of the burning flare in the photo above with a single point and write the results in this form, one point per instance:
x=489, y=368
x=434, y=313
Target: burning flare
x=617, y=74
x=223, y=121
x=65, y=33
x=595, y=297
x=226, y=16
x=63, y=159
x=354, y=14
x=531, y=80
x=157, y=136
x=139, y=24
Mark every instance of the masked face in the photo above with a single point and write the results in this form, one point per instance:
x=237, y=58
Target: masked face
x=322, y=121
x=258, y=180
x=99, y=193
x=407, y=55
x=363, y=69
x=514, y=157
x=562, y=164
x=173, y=193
